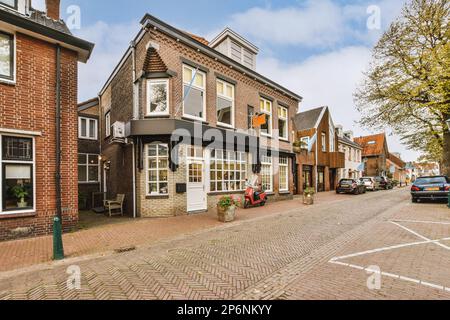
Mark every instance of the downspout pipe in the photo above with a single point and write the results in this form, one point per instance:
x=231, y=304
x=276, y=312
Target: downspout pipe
x=135, y=117
x=58, y=133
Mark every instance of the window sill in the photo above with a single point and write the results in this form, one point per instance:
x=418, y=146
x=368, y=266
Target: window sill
x=154, y=197
x=88, y=139
x=224, y=193
x=225, y=126
x=284, y=140
x=17, y=215
x=88, y=183
x=187, y=118
x=8, y=82
x=283, y=193
x=152, y=116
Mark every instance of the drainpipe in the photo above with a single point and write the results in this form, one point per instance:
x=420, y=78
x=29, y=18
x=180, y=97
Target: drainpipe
x=58, y=133
x=135, y=117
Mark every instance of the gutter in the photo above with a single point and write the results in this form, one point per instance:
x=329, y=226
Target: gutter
x=58, y=133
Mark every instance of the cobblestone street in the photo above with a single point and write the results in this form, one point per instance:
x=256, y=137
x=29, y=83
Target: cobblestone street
x=317, y=252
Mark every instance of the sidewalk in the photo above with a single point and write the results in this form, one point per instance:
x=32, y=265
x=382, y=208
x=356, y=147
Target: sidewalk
x=142, y=232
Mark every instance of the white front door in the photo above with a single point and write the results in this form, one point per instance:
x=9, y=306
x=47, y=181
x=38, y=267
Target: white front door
x=196, y=187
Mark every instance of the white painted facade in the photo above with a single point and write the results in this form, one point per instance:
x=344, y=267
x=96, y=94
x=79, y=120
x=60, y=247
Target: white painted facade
x=353, y=155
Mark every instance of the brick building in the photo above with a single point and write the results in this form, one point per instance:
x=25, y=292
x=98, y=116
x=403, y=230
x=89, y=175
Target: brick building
x=170, y=80
x=375, y=154
x=353, y=155
x=318, y=157
x=89, y=172
x=38, y=89
x=397, y=168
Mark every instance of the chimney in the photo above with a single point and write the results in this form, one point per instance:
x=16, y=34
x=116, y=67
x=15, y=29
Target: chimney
x=349, y=135
x=53, y=9
x=340, y=130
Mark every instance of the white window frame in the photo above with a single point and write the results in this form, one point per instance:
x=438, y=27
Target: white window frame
x=203, y=89
x=241, y=159
x=265, y=162
x=87, y=165
x=324, y=142
x=108, y=124
x=332, y=139
x=284, y=164
x=32, y=163
x=88, y=128
x=15, y=7
x=267, y=113
x=307, y=140
x=225, y=97
x=158, y=169
x=151, y=82
x=11, y=80
x=285, y=119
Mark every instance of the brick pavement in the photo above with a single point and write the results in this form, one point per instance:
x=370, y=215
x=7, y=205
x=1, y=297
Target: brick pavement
x=282, y=256
x=104, y=239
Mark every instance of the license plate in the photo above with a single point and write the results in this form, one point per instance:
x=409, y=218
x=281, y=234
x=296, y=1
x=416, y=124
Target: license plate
x=433, y=189
x=345, y=186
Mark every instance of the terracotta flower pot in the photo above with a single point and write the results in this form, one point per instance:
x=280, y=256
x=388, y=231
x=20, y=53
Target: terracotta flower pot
x=226, y=215
x=308, y=200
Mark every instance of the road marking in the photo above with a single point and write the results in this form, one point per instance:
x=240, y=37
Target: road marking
x=420, y=236
x=336, y=261
x=423, y=222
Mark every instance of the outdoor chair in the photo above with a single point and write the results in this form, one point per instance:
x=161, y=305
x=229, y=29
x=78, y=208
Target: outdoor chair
x=114, y=205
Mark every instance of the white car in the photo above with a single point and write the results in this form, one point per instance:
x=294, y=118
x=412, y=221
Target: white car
x=371, y=183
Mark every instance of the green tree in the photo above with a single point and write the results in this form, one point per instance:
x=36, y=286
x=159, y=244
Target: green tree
x=407, y=85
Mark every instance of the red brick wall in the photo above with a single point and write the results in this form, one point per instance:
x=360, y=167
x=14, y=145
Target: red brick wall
x=53, y=9
x=30, y=105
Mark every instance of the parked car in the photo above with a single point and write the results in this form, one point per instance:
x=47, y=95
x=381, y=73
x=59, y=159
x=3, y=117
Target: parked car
x=350, y=186
x=430, y=188
x=385, y=183
x=371, y=183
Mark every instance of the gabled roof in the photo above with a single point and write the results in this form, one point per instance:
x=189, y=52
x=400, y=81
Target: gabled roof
x=397, y=161
x=37, y=24
x=227, y=32
x=153, y=62
x=372, y=145
x=87, y=104
x=309, y=119
x=347, y=141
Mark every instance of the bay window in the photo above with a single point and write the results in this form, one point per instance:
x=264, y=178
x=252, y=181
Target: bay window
x=283, y=127
x=228, y=171
x=17, y=174
x=194, y=93
x=267, y=173
x=283, y=173
x=87, y=128
x=225, y=103
x=88, y=168
x=157, y=168
x=6, y=56
x=157, y=97
x=266, y=109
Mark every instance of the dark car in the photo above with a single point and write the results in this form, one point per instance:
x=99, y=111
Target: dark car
x=351, y=186
x=430, y=188
x=385, y=183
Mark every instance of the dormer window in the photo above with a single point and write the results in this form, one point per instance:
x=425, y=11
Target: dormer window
x=236, y=47
x=9, y=3
x=371, y=142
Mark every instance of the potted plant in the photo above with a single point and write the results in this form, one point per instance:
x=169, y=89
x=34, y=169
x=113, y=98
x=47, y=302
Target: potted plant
x=20, y=193
x=308, y=196
x=226, y=208
x=299, y=146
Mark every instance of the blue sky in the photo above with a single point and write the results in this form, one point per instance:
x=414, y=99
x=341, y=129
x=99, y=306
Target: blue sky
x=317, y=48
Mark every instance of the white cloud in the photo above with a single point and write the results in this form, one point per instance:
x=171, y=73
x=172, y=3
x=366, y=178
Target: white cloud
x=111, y=42
x=329, y=80
x=317, y=23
